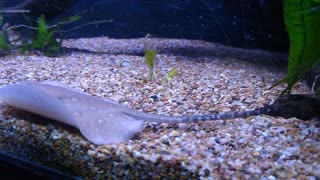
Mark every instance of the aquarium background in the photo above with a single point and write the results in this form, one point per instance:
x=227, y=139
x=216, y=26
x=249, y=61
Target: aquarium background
x=247, y=24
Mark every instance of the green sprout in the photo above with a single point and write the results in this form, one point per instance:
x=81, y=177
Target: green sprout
x=150, y=58
x=171, y=73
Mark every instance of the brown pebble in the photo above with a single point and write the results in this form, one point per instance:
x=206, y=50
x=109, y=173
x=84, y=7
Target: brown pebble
x=256, y=153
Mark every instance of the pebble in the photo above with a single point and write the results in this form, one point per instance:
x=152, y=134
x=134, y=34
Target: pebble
x=50, y=127
x=91, y=152
x=256, y=153
x=126, y=63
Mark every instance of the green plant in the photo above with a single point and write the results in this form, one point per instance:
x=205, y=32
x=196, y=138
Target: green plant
x=45, y=41
x=150, y=59
x=302, y=20
x=171, y=73
x=4, y=43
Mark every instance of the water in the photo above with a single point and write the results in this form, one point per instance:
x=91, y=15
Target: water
x=256, y=24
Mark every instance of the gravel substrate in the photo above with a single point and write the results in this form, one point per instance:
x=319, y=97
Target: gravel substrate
x=261, y=147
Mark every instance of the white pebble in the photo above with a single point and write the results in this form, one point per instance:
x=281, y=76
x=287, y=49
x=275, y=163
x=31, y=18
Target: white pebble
x=136, y=154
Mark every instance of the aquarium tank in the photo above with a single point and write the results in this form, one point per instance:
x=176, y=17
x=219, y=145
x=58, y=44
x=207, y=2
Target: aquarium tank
x=172, y=89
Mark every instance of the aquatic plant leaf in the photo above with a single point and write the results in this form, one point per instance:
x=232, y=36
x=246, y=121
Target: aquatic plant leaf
x=150, y=57
x=302, y=20
x=4, y=44
x=100, y=121
x=45, y=40
x=42, y=39
x=172, y=73
x=53, y=46
x=43, y=35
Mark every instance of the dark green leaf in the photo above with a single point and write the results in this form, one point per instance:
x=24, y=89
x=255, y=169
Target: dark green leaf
x=302, y=20
x=4, y=45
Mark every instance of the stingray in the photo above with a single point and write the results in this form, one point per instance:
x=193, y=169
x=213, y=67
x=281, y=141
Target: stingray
x=100, y=121
x=103, y=121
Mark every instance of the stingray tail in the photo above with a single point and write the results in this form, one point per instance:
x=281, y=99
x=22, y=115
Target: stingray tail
x=228, y=115
x=268, y=110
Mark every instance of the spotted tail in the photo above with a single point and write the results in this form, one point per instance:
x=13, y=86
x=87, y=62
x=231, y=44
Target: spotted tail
x=222, y=116
x=197, y=118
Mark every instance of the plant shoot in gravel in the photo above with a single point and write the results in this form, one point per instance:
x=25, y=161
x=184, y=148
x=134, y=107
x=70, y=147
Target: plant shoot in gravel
x=172, y=72
x=150, y=57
